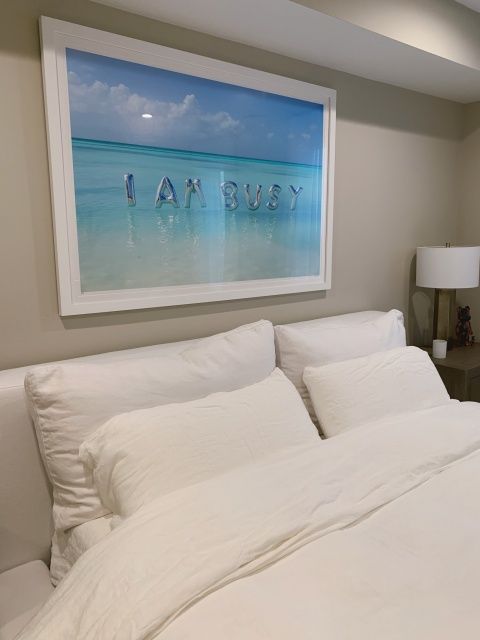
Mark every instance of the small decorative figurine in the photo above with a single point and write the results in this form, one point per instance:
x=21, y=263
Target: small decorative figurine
x=463, y=328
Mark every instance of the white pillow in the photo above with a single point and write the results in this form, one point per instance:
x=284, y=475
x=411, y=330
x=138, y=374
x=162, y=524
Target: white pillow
x=351, y=393
x=70, y=401
x=138, y=456
x=325, y=340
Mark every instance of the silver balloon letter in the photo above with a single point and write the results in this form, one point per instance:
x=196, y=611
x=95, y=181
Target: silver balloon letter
x=194, y=186
x=253, y=206
x=130, y=189
x=229, y=192
x=295, y=193
x=273, y=192
x=166, y=193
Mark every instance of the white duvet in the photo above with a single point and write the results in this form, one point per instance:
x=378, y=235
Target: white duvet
x=372, y=534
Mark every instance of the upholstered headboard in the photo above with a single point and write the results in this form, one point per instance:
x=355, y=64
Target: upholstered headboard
x=25, y=503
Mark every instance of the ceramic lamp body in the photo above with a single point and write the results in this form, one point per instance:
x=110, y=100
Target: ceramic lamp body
x=445, y=315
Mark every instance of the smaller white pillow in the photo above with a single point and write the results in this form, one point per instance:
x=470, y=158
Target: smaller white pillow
x=138, y=456
x=353, y=392
x=319, y=342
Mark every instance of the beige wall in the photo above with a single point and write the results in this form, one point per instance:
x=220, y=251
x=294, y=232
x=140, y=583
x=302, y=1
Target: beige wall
x=395, y=188
x=469, y=217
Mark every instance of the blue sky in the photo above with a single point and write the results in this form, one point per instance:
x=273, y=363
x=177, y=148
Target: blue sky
x=109, y=96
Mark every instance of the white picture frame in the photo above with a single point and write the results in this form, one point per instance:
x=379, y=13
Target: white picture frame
x=58, y=36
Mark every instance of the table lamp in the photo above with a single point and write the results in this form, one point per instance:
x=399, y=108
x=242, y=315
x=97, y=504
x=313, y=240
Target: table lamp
x=446, y=269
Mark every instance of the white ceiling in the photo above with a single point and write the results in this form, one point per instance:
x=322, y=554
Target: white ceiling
x=296, y=31
x=473, y=4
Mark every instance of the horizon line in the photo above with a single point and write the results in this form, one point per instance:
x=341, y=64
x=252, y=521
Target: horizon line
x=204, y=153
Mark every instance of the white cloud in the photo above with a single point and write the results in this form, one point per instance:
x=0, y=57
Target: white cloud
x=306, y=136
x=120, y=103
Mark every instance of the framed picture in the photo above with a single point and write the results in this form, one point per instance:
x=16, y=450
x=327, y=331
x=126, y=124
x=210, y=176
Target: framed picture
x=179, y=179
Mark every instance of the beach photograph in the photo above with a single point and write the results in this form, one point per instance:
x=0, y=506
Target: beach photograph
x=182, y=180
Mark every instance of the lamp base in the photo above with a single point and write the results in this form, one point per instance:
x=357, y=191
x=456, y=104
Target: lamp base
x=444, y=316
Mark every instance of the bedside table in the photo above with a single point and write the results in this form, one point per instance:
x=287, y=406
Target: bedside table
x=460, y=372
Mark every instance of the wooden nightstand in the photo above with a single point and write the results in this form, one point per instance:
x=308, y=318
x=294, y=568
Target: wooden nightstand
x=460, y=372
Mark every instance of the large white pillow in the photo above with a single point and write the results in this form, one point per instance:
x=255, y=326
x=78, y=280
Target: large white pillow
x=325, y=340
x=138, y=456
x=351, y=393
x=69, y=401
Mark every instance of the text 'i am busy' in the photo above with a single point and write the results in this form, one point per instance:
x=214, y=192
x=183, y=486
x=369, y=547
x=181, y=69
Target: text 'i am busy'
x=166, y=194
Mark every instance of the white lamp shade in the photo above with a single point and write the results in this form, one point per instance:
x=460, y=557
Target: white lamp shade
x=448, y=267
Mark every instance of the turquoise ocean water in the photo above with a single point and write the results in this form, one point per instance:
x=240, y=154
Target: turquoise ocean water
x=124, y=247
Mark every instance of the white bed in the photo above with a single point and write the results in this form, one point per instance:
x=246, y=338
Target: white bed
x=289, y=548
x=192, y=496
